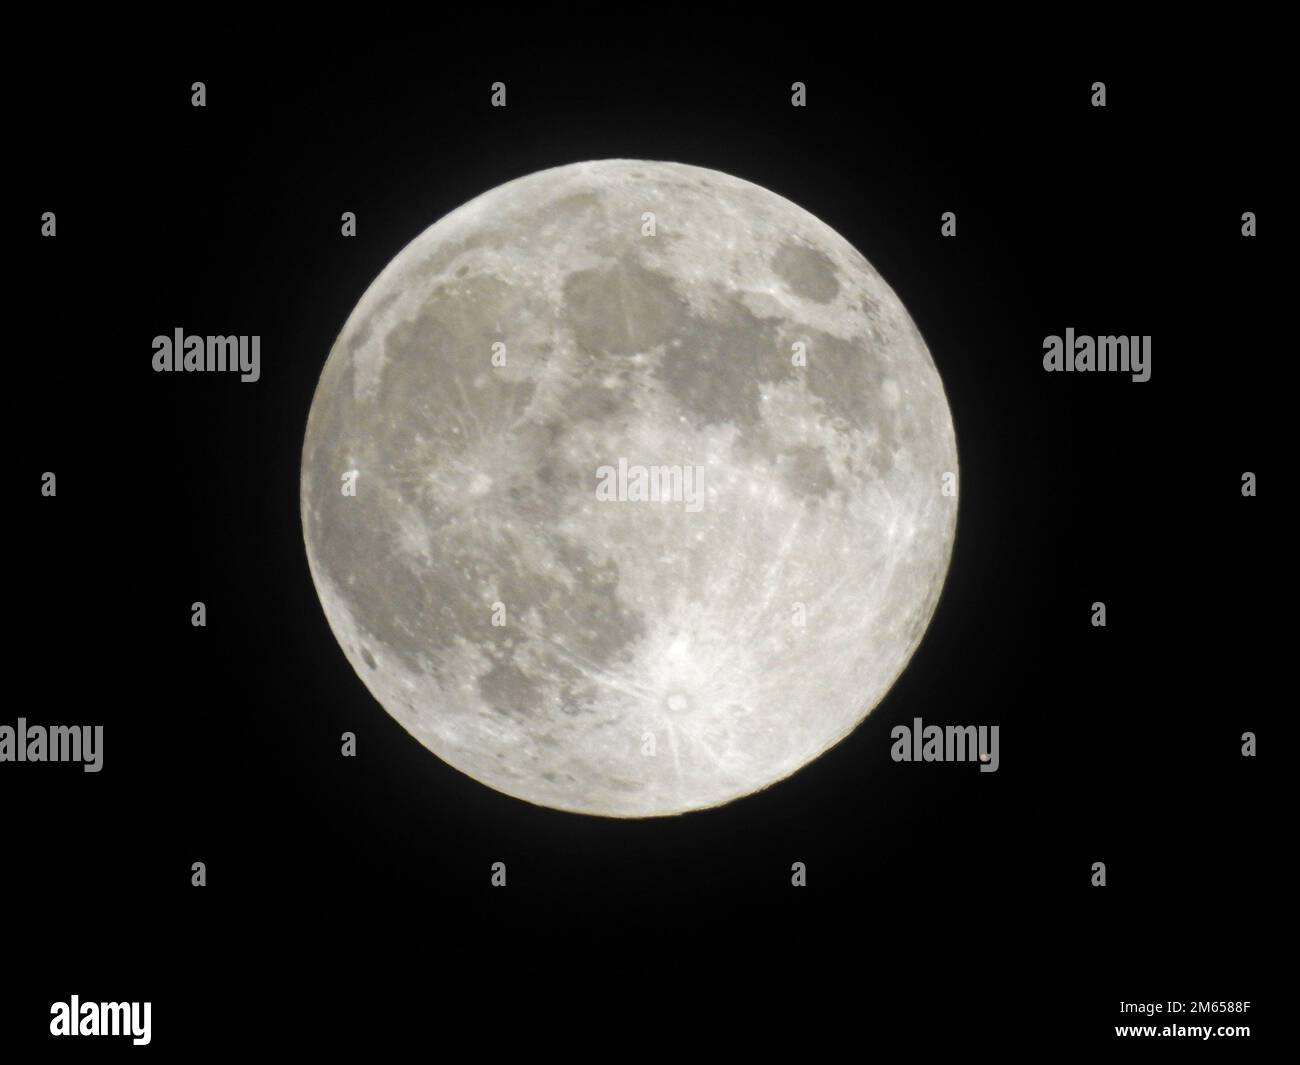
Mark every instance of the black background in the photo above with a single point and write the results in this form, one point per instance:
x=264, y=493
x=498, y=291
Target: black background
x=349, y=899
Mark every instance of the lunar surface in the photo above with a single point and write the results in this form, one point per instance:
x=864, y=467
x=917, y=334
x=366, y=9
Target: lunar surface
x=628, y=488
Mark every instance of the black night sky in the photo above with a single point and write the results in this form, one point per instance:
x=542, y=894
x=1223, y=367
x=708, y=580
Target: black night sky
x=350, y=897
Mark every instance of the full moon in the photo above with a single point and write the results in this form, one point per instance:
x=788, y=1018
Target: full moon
x=629, y=488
